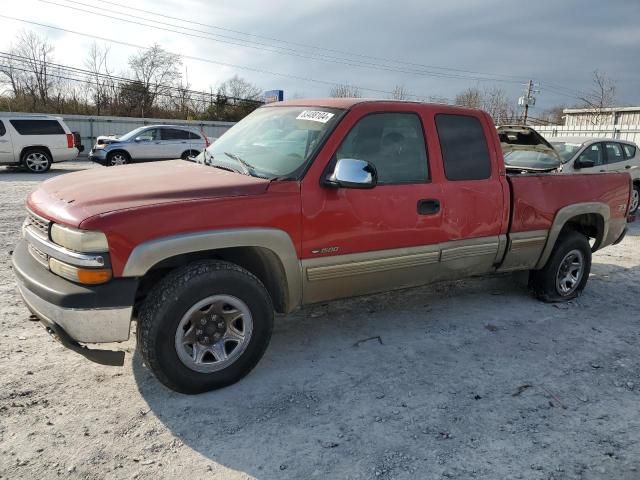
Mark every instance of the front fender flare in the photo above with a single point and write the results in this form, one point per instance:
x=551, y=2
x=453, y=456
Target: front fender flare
x=150, y=253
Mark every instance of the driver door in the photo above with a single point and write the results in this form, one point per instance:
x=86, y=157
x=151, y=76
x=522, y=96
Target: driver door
x=358, y=241
x=147, y=145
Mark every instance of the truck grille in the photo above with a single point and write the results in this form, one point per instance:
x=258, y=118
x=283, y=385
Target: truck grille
x=40, y=257
x=39, y=225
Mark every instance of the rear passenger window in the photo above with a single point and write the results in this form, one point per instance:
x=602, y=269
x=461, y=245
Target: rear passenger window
x=174, y=134
x=194, y=136
x=37, y=127
x=3, y=130
x=393, y=143
x=629, y=150
x=614, y=152
x=465, y=153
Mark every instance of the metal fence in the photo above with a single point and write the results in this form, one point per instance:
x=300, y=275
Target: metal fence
x=621, y=132
x=91, y=126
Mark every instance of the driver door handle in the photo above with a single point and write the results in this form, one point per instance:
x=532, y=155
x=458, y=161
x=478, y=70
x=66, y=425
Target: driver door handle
x=428, y=206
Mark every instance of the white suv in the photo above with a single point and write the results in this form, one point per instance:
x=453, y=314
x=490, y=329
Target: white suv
x=35, y=141
x=595, y=155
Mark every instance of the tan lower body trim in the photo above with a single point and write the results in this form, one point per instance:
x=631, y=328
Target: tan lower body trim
x=524, y=250
x=328, y=278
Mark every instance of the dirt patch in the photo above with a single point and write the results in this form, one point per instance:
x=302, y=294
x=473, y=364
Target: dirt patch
x=471, y=379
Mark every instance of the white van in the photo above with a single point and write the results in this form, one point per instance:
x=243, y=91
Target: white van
x=35, y=141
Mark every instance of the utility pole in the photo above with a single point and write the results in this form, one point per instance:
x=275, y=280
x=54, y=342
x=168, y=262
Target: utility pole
x=528, y=99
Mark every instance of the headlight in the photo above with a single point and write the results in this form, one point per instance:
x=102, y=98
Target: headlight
x=79, y=240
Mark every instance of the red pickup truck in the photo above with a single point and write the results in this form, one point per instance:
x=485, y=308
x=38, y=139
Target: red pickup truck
x=300, y=202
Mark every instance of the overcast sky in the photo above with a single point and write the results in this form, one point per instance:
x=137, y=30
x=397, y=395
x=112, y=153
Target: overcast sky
x=429, y=47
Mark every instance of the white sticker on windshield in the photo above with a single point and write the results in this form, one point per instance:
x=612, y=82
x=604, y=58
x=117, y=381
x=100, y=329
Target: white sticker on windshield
x=315, y=116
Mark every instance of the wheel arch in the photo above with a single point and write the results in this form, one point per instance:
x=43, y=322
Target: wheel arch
x=591, y=219
x=268, y=254
x=118, y=150
x=25, y=150
x=189, y=151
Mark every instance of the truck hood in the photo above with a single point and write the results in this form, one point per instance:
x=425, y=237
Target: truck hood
x=74, y=197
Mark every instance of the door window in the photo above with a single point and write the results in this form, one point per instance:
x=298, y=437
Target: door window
x=393, y=143
x=614, y=152
x=149, y=135
x=3, y=129
x=194, y=136
x=593, y=152
x=465, y=153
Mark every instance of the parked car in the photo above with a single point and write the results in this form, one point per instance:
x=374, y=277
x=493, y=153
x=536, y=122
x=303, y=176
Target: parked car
x=155, y=142
x=526, y=151
x=591, y=155
x=377, y=195
x=35, y=141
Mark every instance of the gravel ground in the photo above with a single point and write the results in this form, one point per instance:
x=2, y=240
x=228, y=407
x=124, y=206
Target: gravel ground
x=470, y=379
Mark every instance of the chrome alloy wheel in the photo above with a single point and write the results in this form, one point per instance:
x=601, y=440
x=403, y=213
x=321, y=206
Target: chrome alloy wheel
x=36, y=161
x=213, y=333
x=570, y=272
x=118, y=159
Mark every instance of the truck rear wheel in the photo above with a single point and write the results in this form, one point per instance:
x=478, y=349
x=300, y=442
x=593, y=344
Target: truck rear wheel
x=566, y=273
x=205, y=326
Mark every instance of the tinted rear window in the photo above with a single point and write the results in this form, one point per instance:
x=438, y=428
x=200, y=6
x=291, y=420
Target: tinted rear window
x=37, y=127
x=3, y=130
x=194, y=136
x=174, y=134
x=465, y=153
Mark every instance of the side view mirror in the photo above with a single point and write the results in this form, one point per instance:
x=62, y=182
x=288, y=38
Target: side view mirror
x=584, y=163
x=352, y=173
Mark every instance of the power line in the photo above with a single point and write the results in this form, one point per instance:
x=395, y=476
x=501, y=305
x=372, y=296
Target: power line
x=267, y=48
x=200, y=59
x=343, y=52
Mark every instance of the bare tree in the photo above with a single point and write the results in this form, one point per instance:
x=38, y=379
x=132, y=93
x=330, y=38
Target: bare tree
x=28, y=69
x=400, y=93
x=101, y=87
x=493, y=100
x=156, y=70
x=239, y=88
x=554, y=115
x=345, y=90
x=601, y=96
x=471, y=98
x=499, y=106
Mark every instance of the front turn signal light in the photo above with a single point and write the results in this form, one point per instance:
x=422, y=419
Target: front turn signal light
x=86, y=276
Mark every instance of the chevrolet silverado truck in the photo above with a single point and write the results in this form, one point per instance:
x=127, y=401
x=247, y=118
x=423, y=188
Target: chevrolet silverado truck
x=300, y=202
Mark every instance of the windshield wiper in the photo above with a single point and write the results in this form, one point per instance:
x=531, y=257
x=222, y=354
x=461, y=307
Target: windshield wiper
x=209, y=161
x=247, y=167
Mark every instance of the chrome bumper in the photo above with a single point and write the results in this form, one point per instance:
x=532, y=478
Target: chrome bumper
x=82, y=325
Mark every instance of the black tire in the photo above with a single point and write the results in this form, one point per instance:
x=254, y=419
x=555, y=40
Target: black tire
x=169, y=301
x=189, y=153
x=36, y=160
x=117, y=157
x=635, y=198
x=544, y=282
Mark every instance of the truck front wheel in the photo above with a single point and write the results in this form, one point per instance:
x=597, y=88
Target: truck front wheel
x=205, y=326
x=566, y=273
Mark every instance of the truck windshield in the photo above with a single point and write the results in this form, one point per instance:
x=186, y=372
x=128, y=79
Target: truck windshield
x=275, y=142
x=566, y=150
